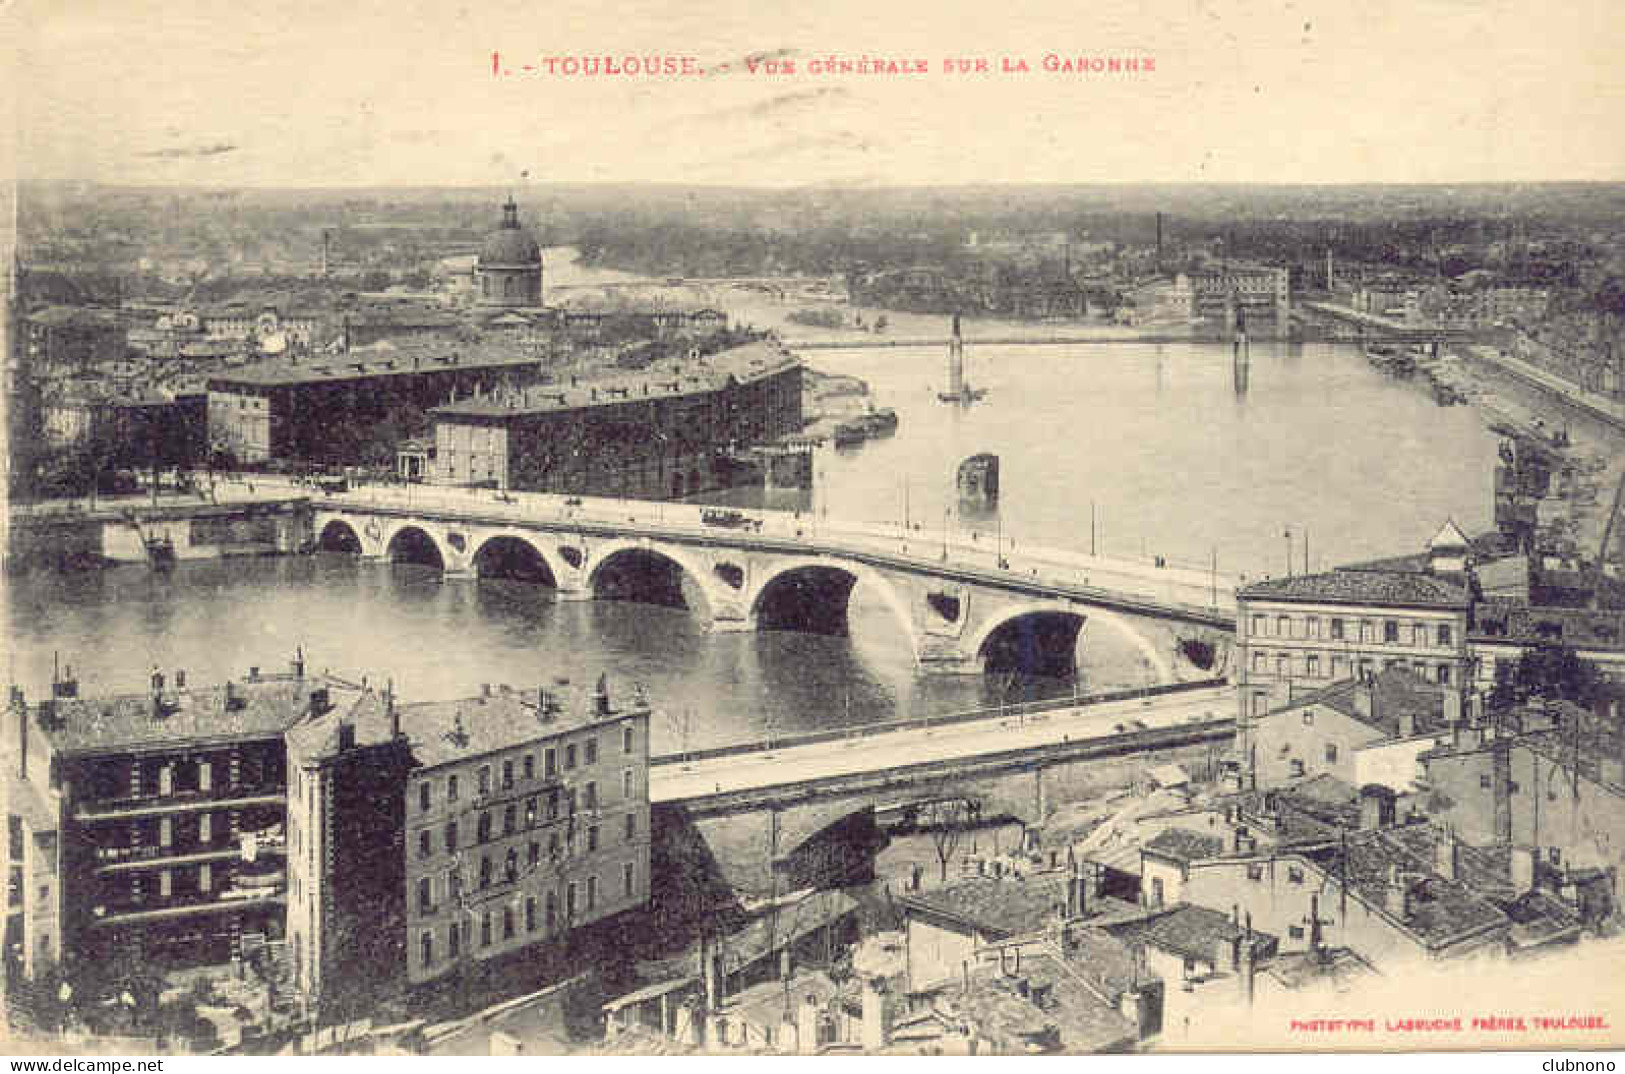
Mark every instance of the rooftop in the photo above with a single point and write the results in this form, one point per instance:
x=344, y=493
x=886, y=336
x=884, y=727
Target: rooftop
x=1184, y=845
x=242, y=709
x=1189, y=931
x=445, y=732
x=1393, y=693
x=1375, y=588
x=999, y=906
x=743, y=364
x=365, y=363
x=1520, y=622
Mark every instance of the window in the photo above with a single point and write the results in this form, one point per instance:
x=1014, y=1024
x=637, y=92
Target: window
x=1283, y=665
x=425, y=896
x=205, y=829
x=1444, y=674
x=550, y=763
x=627, y=877
x=552, y=910
x=507, y=922
x=485, y=871
x=626, y=783
x=485, y=930
x=510, y=866
x=1260, y=662
x=1297, y=766
x=485, y=779
x=1255, y=871
x=423, y=806
x=507, y=775
x=451, y=788
x=1311, y=627
x=553, y=846
x=1337, y=629
x=590, y=795
x=631, y=827
x=1308, y=717
x=166, y=831
x=570, y=902
x=205, y=877
x=1294, y=873
x=1419, y=634
x=1512, y=788
x=1331, y=753
x=530, y=766
x=592, y=839
x=205, y=775
x=590, y=752
x=1260, y=626
x=570, y=801
x=553, y=804
x=424, y=849
x=428, y=949
x=509, y=820
x=454, y=941
x=1283, y=626
x=1156, y=891
x=484, y=828
x=530, y=913
x=1295, y=931
x=1313, y=664
x=626, y=739
x=569, y=757
x=1390, y=631
x=1340, y=667
x=592, y=893
x=1444, y=634
x=454, y=884
x=534, y=854
x=451, y=836
x=1554, y=855
x=530, y=812
x=1484, y=782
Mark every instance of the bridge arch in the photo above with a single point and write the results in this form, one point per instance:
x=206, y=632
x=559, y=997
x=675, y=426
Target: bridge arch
x=514, y=555
x=1054, y=622
x=666, y=591
x=338, y=535
x=414, y=544
x=831, y=613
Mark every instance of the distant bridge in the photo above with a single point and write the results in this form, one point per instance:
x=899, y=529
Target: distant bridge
x=963, y=602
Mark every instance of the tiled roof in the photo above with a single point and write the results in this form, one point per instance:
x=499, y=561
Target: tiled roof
x=751, y=361
x=1380, y=588
x=1069, y=1014
x=996, y=905
x=1395, y=691
x=1187, y=930
x=444, y=732
x=260, y=709
x=1337, y=966
x=1184, y=845
x=370, y=362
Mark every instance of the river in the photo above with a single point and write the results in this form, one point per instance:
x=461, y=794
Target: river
x=1154, y=441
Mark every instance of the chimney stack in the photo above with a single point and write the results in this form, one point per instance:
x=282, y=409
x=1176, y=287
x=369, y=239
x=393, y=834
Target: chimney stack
x=19, y=705
x=180, y=678
x=391, y=711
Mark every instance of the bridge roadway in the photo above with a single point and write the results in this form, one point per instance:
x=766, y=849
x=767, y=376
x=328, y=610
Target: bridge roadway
x=893, y=758
x=1179, y=593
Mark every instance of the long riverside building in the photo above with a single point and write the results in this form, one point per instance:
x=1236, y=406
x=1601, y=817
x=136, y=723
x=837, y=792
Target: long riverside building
x=664, y=432
x=320, y=821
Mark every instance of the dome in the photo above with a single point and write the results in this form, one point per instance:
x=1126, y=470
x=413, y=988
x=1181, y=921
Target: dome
x=510, y=244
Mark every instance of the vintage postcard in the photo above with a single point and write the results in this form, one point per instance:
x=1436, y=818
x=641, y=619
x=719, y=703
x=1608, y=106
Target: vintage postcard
x=640, y=528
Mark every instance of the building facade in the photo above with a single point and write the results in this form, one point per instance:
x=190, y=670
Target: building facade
x=663, y=433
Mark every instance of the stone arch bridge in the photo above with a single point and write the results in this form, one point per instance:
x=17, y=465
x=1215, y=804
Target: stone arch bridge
x=957, y=613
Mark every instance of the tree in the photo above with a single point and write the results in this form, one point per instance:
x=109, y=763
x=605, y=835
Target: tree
x=947, y=819
x=1549, y=671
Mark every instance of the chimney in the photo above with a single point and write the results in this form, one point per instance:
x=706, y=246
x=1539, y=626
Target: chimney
x=157, y=681
x=807, y=1025
x=1245, y=967
x=390, y=710
x=877, y=1012
x=254, y=673
x=180, y=678
x=715, y=981
x=19, y=705
x=346, y=736
x=1444, y=855
x=601, y=695
x=485, y=690
x=1501, y=788
x=298, y=665
x=1397, y=893
x=1523, y=869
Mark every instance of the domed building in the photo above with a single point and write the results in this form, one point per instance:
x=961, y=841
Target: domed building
x=509, y=270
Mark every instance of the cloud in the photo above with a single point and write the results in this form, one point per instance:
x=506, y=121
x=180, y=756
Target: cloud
x=190, y=152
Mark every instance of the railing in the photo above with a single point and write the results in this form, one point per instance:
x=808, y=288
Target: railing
x=182, y=801
x=1025, y=708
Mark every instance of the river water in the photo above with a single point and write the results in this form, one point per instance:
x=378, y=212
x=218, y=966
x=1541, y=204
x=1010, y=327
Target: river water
x=1155, y=442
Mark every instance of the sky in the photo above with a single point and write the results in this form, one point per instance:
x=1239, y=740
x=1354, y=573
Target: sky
x=301, y=93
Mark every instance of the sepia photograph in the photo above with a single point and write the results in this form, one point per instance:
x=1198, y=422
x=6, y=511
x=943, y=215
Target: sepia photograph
x=651, y=529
